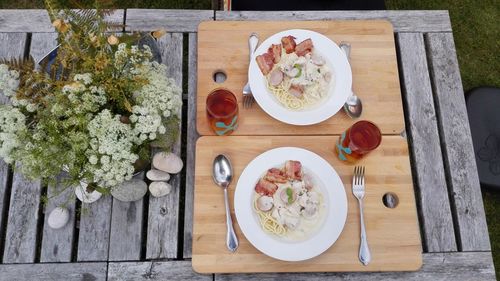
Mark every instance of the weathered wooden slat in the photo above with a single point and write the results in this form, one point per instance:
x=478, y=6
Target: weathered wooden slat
x=434, y=204
x=54, y=271
x=30, y=20
x=460, y=164
x=4, y=200
x=456, y=266
x=21, y=237
x=57, y=244
x=167, y=270
x=192, y=136
x=126, y=229
x=171, y=20
x=12, y=45
x=163, y=218
x=21, y=229
x=403, y=21
x=95, y=224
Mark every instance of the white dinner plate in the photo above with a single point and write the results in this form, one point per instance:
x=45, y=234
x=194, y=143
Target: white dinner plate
x=333, y=193
x=339, y=88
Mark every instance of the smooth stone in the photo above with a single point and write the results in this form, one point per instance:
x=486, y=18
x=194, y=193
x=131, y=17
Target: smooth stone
x=167, y=162
x=84, y=196
x=58, y=218
x=159, y=188
x=129, y=191
x=157, y=175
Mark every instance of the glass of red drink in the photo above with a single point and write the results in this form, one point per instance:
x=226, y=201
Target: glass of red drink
x=358, y=140
x=222, y=111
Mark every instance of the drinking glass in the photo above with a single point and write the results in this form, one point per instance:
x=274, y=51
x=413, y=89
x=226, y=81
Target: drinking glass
x=222, y=111
x=361, y=138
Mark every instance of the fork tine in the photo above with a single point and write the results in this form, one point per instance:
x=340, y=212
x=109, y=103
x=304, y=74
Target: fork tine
x=245, y=101
x=363, y=176
x=252, y=99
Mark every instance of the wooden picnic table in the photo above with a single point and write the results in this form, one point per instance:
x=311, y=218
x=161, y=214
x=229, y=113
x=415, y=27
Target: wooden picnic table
x=150, y=239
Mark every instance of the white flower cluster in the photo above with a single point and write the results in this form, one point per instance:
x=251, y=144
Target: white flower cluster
x=9, y=81
x=110, y=157
x=12, y=121
x=156, y=101
x=83, y=96
x=127, y=59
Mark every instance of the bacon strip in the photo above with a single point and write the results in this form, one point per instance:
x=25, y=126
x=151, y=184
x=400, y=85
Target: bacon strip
x=293, y=170
x=265, y=62
x=276, y=51
x=264, y=187
x=276, y=176
x=288, y=43
x=304, y=47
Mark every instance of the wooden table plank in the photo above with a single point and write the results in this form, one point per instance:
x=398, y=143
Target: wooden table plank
x=455, y=266
x=456, y=138
x=126, y=229
x=4, y=198
x=165, y=270
x=192, y=136
x=163, y=218
x=21, y=237
x=403, y=21
x=82, y=271
x=36, y=20
x=432, y=192
x=21, y=229
x=95, y=224
x=171, y=20
x=11, y=45
x=57, y=244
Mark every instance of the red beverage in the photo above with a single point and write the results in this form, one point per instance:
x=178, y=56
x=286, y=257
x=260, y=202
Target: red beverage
x=358, y=140
x=222, y=111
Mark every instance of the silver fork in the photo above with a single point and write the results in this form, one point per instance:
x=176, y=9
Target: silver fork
x=358, y=189
x=248, y=99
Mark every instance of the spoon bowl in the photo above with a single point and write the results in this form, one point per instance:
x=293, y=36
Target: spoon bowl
x=223, y=171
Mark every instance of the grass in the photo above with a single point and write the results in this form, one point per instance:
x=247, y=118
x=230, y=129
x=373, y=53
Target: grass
x=475, y=29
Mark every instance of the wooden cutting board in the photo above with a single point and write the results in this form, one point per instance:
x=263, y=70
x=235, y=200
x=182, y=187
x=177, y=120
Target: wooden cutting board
x=223, y=46
x=393, y=234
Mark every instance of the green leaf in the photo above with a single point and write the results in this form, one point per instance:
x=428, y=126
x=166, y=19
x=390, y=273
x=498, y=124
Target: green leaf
x=289, y=193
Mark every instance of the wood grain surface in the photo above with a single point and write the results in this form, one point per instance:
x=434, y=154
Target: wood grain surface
x=224, y=46
x=393, y=234
x=403, y=21
x=436, y=217
x=456, y=137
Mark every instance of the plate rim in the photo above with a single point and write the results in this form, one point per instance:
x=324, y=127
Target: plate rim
x=316, y=115
x=332, y=233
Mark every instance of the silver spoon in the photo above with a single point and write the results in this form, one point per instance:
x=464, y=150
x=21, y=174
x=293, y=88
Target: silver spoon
x=353, y=106
x=223, y=174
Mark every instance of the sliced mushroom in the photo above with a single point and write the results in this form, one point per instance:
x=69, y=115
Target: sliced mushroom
x=292, y=222
x=310, y=211
x=276, y=77
x=296, y=91
x=293, y=72
x=265, y=203
x=317, y=59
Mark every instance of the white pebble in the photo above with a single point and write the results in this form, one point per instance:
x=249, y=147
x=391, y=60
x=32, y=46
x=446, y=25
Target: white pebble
x=157, y=175
x=167, y=162
x=159, y=188
x=58, y=218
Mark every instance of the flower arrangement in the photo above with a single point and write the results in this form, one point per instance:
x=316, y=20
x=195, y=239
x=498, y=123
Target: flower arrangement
x=94, y=112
